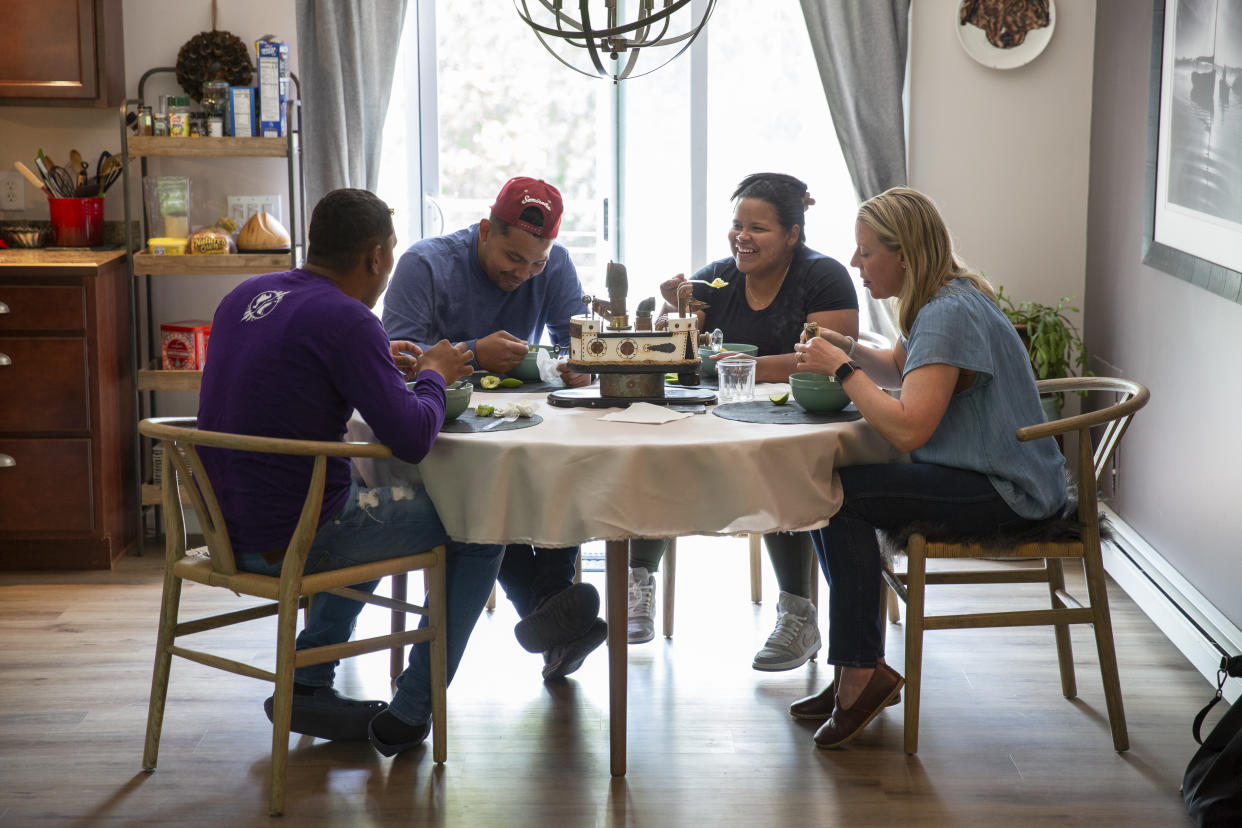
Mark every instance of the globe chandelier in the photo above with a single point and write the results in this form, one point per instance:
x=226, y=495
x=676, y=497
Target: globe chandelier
x=613, y=48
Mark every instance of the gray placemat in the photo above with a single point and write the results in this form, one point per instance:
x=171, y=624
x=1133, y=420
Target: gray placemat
x=763, y=411
x=704, y=382
x=471, y=423
x=533, y=387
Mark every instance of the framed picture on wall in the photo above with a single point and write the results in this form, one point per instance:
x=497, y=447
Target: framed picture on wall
x=1194, y=193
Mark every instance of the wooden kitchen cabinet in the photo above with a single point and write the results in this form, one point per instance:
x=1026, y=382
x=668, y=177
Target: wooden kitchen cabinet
x=67, y=487
x=62, y=52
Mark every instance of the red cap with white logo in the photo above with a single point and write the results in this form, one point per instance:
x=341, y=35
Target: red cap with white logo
x=521, y=193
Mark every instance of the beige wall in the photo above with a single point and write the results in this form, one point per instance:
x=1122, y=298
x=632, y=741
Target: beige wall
x=1005, y=153
x=1181, y=463
x=154, y=32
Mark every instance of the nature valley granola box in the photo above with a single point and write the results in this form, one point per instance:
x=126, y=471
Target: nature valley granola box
x=183, y=345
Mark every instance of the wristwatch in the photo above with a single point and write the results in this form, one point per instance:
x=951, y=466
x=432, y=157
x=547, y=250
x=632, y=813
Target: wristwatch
x=845, y=369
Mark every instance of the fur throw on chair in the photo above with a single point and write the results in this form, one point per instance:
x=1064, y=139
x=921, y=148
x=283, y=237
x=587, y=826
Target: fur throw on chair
x=1057, y=529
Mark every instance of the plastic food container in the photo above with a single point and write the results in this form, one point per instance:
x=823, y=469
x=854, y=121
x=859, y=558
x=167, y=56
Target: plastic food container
x=166, y=246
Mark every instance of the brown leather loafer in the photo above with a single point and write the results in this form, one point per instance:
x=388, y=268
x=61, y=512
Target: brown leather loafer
x=845, y=724
x=820, y=706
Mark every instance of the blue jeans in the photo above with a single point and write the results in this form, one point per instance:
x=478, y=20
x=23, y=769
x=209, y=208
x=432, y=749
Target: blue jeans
x=375, y=525
x=891, y=497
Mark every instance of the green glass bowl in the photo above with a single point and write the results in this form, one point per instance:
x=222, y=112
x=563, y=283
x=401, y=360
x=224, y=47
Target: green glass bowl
x=709, y=366
x=817, y=393
x=527, y=370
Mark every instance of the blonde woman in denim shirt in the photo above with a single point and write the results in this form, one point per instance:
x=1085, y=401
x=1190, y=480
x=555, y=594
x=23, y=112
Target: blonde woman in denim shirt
x=966, y=387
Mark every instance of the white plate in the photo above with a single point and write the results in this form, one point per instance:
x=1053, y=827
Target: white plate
x=975, y=42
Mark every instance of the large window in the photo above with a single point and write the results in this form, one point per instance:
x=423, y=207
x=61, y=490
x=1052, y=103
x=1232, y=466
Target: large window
x=496, y=106
x=478, y=100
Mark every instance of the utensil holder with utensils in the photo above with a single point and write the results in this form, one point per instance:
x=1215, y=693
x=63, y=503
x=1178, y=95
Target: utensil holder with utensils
x=77, y=222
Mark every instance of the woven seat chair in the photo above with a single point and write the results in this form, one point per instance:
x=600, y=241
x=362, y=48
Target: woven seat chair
x=185, y=477
x=1081, y=542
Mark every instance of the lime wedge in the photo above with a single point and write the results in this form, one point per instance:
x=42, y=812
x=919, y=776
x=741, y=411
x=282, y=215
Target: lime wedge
x=490, y=381
x=510, y=382
x=671, y=379
x=779, y=399
x=484, y=410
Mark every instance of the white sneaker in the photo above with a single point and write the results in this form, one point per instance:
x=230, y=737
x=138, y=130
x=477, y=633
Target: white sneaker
x=641, y=606
x=795, y=639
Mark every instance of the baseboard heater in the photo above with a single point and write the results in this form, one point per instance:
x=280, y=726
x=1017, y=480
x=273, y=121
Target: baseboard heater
x=1197, y=628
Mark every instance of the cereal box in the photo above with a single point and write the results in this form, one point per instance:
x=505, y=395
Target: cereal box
x=273, y=87
x=183, y=345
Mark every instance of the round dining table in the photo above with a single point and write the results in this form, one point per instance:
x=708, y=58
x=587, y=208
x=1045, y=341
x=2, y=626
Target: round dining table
x=571, y=475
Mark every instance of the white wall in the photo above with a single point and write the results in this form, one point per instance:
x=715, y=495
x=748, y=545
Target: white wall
x=1005, y=153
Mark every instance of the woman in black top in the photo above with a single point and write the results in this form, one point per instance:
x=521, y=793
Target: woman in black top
x=775, y=284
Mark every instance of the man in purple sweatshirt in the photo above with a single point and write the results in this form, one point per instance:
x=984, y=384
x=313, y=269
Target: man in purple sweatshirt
x=292, y=355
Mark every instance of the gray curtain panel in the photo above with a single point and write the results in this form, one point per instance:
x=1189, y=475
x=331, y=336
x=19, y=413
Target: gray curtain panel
x=347, y=51
x=860, y=49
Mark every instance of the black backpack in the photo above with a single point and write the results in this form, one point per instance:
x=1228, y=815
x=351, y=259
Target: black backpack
x=1212, y=786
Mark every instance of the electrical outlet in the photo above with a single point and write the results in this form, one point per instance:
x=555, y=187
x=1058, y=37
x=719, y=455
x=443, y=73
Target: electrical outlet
x=12, y=191
x=242, y=208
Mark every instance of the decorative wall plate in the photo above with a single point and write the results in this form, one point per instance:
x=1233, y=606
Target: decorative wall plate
x=984, y=27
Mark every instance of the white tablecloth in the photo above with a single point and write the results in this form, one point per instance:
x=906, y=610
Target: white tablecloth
x=574, y=478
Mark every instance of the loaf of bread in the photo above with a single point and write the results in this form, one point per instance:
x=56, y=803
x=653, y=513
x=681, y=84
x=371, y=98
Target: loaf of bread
x=211, y=240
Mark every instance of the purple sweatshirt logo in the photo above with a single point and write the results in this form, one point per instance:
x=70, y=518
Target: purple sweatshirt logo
x=263, y=304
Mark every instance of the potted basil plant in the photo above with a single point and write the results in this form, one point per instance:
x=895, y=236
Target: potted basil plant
x=1052, y=341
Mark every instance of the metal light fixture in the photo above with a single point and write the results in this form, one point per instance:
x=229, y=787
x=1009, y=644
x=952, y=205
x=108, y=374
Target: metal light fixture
x=619, y=42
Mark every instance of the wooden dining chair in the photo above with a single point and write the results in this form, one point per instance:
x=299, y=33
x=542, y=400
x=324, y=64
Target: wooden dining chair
x=184, y=478
x=668, y=566
x=1077, y=537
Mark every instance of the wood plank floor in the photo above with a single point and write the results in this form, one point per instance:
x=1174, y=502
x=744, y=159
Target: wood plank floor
x=710, y=741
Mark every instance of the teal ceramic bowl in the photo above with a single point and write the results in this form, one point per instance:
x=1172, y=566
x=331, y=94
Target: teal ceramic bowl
x=456, y=398
x=817, y=393
x=527, y=370
x=709, y=366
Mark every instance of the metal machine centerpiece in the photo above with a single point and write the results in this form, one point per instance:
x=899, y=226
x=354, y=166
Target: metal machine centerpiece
x=631, y=360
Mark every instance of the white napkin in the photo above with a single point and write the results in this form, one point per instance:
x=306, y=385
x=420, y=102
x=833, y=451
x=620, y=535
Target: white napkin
x=546, y=364
x=641, y=412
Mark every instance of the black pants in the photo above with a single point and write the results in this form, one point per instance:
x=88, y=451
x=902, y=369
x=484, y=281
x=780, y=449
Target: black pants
x=531, y=575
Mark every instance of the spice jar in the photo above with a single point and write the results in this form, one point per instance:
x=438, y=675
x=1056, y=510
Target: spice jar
x=145, y=123
x=179, y=116
x=159, y=120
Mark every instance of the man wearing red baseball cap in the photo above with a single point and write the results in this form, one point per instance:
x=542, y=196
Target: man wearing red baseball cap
x=497, y=286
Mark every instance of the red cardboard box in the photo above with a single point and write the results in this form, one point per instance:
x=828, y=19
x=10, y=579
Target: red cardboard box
x=183, y=345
